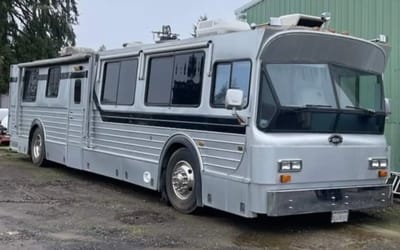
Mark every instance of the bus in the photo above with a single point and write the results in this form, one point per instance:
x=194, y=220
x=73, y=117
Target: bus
x=279, y=119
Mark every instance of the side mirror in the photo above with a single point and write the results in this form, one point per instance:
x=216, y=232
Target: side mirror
x=387, y=106
x=234, y=99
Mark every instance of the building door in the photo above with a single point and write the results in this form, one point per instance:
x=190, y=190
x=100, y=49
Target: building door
x=76, y=119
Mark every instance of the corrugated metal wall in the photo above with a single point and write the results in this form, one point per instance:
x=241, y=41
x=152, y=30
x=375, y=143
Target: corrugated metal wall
x=362, y=18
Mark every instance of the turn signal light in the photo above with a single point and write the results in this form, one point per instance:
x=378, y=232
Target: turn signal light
x=383, y=173
x=285, y=178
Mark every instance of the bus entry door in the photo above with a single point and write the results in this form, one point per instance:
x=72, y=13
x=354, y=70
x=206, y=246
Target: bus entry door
x=76, y=118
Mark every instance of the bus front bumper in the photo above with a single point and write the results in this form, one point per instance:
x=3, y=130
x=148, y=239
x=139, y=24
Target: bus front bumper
x=291, y=202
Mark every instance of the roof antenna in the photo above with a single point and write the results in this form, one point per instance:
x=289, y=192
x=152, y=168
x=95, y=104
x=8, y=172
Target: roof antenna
x=164, y=35
x=326, y=18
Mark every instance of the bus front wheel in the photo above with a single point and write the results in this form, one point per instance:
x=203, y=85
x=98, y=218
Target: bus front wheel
x=182, y=180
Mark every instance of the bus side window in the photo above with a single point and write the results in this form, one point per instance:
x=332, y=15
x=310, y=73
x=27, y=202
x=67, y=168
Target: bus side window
x=31, y=79
x=230, y=75
x=159, y=81
x=119, y=83
x=187, y=79
x=53, y=82
x=175, y=80
x=77, y=91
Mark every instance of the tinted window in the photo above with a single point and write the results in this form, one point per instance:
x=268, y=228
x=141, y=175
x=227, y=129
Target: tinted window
x=53, y=82
x=111, y=76
x=160, y=80
x=188, y=71
x=127, y=82
x=30, y=85
x=232, y=75
x=119, y=82
x=77, y=91
x=176, y=80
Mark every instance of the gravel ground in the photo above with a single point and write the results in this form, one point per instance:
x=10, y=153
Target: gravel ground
x=61, y=208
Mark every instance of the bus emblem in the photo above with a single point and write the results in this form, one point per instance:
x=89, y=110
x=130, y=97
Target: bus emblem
x=336, y=139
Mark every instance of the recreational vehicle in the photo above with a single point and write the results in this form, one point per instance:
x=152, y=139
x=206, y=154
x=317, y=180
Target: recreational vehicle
x=279, y=119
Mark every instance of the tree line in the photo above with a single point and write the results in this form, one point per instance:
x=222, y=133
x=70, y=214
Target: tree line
x=34, y=29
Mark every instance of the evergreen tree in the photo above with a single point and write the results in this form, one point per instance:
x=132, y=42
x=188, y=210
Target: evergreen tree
x=34, y=29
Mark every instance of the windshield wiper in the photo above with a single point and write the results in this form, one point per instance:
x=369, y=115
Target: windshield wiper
x=366, y=110
x=307, y=106
x=317, y=106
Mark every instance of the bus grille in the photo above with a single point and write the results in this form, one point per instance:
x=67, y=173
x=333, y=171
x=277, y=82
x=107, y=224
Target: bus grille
x=394, y=180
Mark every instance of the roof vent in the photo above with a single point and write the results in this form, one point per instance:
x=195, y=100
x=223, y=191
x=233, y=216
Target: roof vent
x=298, y=20
x=218, y=26
x=132, y=44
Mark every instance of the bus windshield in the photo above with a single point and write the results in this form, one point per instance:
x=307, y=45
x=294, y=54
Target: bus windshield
x=300, y=85
x=320, y=98
x=310, y=85
x=358, y=90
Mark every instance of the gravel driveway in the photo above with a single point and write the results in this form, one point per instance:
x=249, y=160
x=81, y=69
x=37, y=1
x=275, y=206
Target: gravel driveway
x=61, y=208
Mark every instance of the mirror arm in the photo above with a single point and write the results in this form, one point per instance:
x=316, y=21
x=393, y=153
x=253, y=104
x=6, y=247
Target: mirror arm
x=243, y=121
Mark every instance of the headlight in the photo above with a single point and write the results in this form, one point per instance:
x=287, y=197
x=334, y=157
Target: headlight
x=383, y=163
x=378, y=163
x=290, y=166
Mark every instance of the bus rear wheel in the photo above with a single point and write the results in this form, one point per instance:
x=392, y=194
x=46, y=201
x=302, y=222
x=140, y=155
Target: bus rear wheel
x=37, y=148
x=182, y=180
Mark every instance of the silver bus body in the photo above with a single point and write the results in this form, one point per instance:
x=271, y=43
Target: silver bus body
x=238, y=164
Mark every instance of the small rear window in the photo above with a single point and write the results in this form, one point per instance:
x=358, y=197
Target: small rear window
x=53, y=82
x=31, y=79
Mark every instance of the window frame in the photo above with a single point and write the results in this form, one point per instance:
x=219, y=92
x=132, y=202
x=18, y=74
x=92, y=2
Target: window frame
x=103, y=78
x=48, y=81
x=173, y=55
x=30, y=99
x=214, y=78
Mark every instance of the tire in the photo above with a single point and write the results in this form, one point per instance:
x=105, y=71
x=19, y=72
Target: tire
x=183, y=180
x=37, y=148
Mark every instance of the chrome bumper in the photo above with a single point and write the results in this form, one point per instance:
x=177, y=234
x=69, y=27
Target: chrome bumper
x=281, y=203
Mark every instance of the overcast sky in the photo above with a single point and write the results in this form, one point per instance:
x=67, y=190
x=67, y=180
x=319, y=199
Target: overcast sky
x=114, y=22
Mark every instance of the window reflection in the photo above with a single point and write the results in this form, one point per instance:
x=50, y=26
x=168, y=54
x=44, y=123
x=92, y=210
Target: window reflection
x=222, y=79
x=232, y=75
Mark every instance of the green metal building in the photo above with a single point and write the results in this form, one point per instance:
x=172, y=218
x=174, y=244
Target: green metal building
x=361, y=18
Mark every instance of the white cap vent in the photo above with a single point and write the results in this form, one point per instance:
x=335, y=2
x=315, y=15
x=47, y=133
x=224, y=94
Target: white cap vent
x=213, y=27
x=297, y=20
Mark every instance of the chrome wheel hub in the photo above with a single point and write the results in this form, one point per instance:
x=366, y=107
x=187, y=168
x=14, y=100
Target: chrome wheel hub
x=37, y=146
x=183, y=180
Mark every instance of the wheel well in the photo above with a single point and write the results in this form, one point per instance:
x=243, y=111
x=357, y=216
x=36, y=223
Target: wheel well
x=171, y=149
x=164, y=163
x=34, y=127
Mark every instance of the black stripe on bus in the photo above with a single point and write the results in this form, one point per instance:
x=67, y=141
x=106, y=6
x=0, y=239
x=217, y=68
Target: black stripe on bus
x=66, y=75
x=216, y=124
x=78, y=75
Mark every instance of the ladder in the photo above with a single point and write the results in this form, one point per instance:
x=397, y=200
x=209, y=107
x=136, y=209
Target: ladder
x=394, y=180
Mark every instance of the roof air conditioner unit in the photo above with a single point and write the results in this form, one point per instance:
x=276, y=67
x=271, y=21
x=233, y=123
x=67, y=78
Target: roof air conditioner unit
x=297, y=20
x=213, y=27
